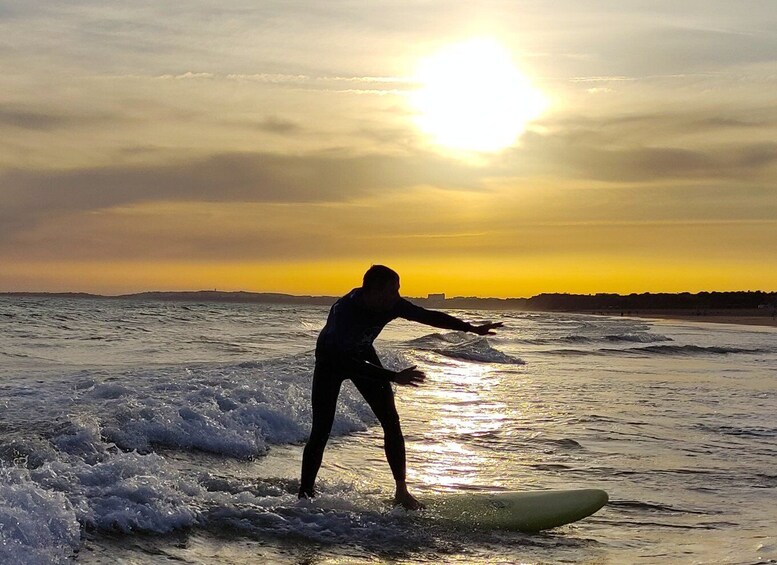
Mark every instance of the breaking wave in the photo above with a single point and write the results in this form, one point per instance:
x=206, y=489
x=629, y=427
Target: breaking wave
x=661, y=350
x=92, y=464
x=630, y=337
x=461, y=346
x=686, y=350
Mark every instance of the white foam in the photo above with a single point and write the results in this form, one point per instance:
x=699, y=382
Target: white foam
x=124, y=492
x=37, y=525
x=234, y=410
x=337, y=517
x=73, y=436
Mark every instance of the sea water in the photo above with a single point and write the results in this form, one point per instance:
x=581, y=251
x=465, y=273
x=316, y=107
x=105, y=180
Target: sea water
x=157, y=432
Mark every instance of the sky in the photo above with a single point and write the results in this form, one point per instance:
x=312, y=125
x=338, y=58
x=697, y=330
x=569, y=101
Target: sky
x=287, y=146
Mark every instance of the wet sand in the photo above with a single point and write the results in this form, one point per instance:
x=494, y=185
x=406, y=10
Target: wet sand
x=742, y=317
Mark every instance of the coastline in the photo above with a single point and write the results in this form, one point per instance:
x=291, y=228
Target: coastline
x=762, y=316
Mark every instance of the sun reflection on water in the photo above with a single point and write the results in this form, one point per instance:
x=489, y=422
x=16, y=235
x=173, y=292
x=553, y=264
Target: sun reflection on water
x=465, y=397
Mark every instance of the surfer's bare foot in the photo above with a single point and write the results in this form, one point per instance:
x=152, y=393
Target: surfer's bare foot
x=407, y=500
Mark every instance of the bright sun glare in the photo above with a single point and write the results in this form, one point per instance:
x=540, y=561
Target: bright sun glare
x=472, y=97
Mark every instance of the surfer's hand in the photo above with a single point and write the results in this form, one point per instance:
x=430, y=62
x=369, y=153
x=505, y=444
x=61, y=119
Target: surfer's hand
x=485, y=329
x=410, y=376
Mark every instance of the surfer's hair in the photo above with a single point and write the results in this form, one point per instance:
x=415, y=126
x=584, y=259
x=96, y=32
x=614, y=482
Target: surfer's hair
x=378, y=276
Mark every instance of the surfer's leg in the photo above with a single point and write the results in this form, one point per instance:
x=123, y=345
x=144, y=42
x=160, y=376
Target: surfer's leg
x=380, y=397
x=326, y=388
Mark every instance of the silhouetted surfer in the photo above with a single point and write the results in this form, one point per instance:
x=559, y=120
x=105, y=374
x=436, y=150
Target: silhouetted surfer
x=344, y=351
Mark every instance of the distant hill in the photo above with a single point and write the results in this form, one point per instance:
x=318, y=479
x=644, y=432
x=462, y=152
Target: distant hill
x=189, y=296
x=224, y=296
x=53, y=294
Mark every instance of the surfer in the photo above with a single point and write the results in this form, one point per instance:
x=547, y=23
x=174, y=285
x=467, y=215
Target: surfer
x=344, y=350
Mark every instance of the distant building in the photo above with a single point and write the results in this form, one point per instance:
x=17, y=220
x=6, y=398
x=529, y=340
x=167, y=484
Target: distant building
x=440, y=297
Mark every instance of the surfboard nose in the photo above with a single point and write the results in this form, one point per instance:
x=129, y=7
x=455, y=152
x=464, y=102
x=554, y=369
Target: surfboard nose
x=595, y=496
x=523, y=511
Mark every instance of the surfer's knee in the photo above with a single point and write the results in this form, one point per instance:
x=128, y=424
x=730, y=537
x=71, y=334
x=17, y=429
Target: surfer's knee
x=317, y=440
x=390, y=424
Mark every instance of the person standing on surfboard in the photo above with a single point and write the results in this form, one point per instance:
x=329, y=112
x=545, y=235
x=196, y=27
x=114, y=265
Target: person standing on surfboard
x=344, y=350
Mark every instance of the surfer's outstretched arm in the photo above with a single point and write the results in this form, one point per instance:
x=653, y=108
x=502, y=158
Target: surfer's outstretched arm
x=485, y=328
x=437, y=319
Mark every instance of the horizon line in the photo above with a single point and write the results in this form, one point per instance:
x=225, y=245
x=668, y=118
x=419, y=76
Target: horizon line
x=427, y=297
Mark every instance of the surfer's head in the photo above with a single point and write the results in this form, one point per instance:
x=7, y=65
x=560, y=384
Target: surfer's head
x=380, y=287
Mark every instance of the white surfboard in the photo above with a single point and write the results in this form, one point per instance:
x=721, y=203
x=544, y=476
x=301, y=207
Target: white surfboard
x=521, y=511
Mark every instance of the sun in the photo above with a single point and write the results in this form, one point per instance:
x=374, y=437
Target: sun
x=471, y=97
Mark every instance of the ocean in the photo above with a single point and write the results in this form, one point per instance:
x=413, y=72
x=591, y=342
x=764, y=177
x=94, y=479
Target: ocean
x=140, y=432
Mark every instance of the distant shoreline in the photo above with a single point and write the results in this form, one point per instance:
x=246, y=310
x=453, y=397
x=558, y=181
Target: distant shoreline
x=745, y=307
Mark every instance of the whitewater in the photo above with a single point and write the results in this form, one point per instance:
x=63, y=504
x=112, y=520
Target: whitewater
x=147, y=432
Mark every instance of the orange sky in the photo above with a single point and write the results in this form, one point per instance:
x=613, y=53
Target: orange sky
x=282, y=147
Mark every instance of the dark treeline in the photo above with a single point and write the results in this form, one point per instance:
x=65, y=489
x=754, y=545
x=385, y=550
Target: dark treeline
x=658, y=301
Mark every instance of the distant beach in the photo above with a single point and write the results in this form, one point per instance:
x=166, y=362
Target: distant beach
x=742, y=317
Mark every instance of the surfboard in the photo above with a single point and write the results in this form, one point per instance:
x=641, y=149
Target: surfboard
x=518, y=511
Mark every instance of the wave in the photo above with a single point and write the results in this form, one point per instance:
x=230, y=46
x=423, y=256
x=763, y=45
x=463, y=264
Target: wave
x=764, y=480
x=96, y=469
x=740, y=431
x=235, y=411
x=563, y=443
x=637, y=337
x=627, y=337
x=652, y=507
x=685, y=350
x=461, y=346
x=572, y=352
x=660, y=350
x=18, y=355
x=44, y=510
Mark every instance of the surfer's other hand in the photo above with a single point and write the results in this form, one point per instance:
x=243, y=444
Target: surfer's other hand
x=485, y=329
x=410, y=376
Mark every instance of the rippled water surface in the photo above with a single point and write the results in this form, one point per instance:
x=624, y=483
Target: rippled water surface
x=141, y=432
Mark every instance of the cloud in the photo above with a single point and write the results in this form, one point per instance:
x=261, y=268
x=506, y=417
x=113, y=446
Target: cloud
x=733, y=144
x=413, y=221
x=270, y=78
x=187, y=76
x=613, y=149
x=19, y=117
x=22, y=117
x=232, y=177
x=620, y=128
x=573, y=157
x=377, y=85
x=273, y=124
x=669, y=49
x=514, y=222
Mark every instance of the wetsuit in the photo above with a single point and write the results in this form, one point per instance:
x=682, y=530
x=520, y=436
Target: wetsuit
x=344, y=350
